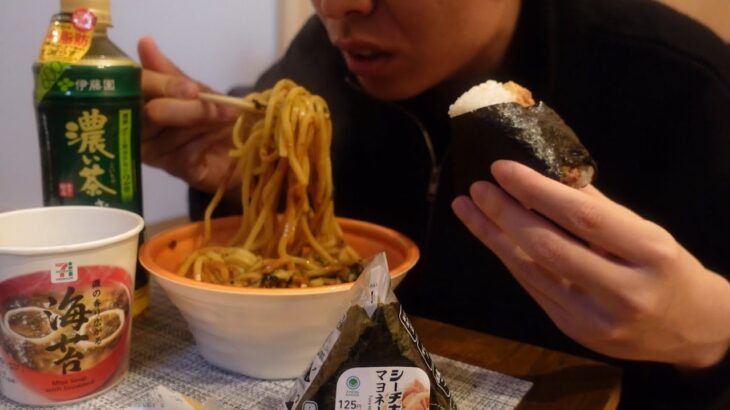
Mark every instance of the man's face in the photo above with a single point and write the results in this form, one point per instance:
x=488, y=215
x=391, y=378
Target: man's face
x=400, y=48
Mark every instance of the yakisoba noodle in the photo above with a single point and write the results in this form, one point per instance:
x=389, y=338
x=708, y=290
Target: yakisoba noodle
x=281, y=152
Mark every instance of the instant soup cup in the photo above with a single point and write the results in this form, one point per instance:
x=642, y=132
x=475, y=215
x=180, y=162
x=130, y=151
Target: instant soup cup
x=263, y=333
x=66, y=286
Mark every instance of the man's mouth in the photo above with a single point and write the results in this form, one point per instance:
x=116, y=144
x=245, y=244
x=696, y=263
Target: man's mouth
x=365, y=53
x=367, y=62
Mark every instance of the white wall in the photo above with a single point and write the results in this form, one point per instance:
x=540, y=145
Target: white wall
x=221, y=43
x=292, y=14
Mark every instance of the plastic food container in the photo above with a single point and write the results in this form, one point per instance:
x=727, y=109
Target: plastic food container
x=263, y=333
x=66, y=286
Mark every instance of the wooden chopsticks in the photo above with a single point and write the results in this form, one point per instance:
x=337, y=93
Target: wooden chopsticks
x=234, y=102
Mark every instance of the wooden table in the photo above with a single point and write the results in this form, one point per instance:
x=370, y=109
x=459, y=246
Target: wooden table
x=561, y=381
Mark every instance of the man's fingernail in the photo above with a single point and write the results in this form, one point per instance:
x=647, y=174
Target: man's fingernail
x=478, y=190
x=503, y=171
x=459, y=205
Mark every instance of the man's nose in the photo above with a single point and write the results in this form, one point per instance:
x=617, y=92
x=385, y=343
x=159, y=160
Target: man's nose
x=337, y=9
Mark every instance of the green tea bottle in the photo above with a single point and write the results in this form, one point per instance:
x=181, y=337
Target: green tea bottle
x=88, y=104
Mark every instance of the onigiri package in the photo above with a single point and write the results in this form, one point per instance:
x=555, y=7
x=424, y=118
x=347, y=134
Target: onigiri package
x=373, y=359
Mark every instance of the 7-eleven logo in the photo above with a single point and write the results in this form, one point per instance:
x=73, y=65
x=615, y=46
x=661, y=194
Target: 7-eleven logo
x=64, y=272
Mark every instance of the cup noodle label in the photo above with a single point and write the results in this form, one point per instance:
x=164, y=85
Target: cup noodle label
x=65, y=329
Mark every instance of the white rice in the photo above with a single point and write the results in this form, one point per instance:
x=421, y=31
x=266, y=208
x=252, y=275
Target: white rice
x=481, y=95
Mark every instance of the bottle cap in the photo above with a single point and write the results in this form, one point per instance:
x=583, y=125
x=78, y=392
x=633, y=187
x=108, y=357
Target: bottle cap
x=100, y=8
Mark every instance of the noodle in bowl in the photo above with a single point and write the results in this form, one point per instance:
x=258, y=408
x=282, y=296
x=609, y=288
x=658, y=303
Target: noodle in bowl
x=281, y=153
x=261, y=291
x=268, y=333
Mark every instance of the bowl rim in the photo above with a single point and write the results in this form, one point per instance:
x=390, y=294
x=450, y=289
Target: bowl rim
x=349, y=225
x=136, y=224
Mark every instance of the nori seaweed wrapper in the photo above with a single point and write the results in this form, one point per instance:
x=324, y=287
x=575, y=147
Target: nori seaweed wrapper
x=374, y=346
x=535, y=136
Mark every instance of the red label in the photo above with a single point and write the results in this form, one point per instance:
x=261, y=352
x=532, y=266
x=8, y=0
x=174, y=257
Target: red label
x=66, y=189
x=83, y=19
x=64, y=341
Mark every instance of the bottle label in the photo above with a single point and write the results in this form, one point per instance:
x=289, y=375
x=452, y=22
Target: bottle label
x=88, y=122
x=68, y=42
x=92, y=155
x=65, y=43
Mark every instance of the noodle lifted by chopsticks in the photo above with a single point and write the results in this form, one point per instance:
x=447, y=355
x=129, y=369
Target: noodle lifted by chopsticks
x=281, y=150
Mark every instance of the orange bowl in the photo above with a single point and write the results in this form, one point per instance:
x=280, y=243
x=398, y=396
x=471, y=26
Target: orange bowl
x=263, y=333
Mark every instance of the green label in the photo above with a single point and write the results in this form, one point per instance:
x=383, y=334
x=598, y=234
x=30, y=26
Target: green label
x=61, y=80
x=47, y=77
x=126, y=157
x=89, y=127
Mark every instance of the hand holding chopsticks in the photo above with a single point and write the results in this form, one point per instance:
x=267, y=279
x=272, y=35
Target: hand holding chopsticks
x=233, y=102
x=182, y=135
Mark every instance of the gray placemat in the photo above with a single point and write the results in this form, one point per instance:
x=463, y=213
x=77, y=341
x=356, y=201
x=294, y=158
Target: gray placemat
x=164, y=353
